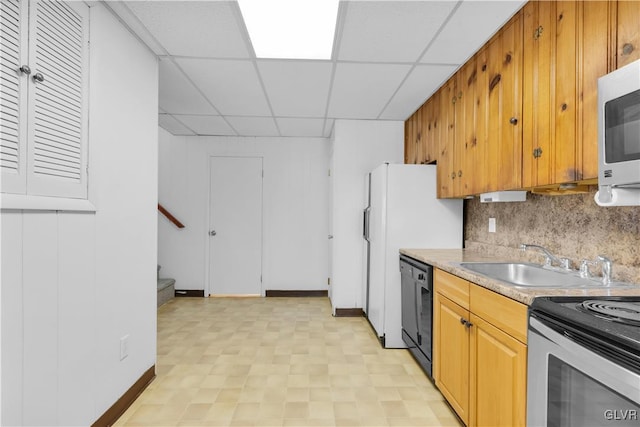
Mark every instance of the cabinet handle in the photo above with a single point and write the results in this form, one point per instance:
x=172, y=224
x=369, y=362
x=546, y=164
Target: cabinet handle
x=537, y=32
x=627, y=48
x=38, y=77
x=25, y=70
x=468, y=325
x=459, y=174
x=537, y=152
x=513, y=121
x=463, y=321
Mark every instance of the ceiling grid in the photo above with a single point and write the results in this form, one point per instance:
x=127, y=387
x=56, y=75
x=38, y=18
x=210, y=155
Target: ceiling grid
x=388, y=58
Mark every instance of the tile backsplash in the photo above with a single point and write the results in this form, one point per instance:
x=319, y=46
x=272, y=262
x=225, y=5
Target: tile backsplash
x=570, y=226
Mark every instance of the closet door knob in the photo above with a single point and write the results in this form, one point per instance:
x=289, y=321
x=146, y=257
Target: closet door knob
x=38, y=77
x=25, y=70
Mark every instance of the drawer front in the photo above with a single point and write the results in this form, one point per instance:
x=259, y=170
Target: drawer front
x=453, y=287
x=502, y=312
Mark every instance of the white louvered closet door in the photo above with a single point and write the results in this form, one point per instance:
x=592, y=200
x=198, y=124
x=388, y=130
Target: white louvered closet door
x=58, y=95
x=13, y=95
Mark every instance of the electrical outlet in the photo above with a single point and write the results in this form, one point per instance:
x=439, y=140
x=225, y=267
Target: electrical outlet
x=492, y=225
x=124, y=347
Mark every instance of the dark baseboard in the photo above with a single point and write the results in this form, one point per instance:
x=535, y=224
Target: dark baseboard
x=117, y=409
x=189, y=293
x=349, y=312
x=275, y=293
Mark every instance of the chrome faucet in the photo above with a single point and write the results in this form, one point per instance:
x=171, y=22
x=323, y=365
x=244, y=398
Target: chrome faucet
x=607, y=267
x=549, y=258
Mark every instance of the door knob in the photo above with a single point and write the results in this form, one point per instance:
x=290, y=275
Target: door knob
x=212, y=233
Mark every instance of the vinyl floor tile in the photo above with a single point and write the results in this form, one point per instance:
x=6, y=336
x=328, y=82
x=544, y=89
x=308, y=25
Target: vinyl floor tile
x=279, y=362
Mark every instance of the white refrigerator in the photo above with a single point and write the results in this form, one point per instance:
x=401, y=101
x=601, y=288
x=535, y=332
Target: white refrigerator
x=402, y=212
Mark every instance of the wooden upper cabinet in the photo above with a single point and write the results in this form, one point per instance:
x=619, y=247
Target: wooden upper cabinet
x=466, y=128
x=504, y=104
x=566, y=49
x=409, y=143
x=628, y=32
x=595, y=26
x=446, y=145
x=430, y=134
x=415, y=137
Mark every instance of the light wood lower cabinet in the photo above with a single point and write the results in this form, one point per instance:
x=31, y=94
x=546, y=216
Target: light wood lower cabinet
x=480, y=353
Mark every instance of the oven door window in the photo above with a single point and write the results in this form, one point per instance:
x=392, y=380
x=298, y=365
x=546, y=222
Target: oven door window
x=622, y=128
x=575, y=399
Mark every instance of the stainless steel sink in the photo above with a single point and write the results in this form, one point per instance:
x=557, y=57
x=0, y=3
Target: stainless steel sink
x=532, y=275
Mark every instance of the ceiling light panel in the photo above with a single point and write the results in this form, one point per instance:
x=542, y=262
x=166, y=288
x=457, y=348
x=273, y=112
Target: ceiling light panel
x=177, y=95
x=470, y=27
x=232, y=86
x=387, y=31
x=293, y=29
x=420, y=85
x=360, y=91
x=296, y=88
x=193, y=28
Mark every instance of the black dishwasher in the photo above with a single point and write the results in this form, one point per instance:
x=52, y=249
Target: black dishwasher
x=417, y=309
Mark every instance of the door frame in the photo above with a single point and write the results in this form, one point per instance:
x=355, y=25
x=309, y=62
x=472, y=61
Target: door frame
x=207, y=244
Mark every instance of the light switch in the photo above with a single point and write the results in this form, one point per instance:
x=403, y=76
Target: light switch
x=492, y=225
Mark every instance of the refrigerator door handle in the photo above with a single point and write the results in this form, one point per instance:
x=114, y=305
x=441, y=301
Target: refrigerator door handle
x=365, y=223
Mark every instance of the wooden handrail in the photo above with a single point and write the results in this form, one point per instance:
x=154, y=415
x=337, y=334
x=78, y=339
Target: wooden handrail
x=170, y=217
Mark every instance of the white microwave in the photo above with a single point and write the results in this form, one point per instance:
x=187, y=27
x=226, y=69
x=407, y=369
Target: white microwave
x=619, y=135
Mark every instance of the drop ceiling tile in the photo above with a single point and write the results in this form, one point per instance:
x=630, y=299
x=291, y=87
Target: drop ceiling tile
x=254, y=126
x=421, y=83
x=388, y=31
x=328, y=127
x=296, y=88
x=470, y=27
x=177, y=95
x=194, y=28
x=233, y=86
x=207, y=125
x=171, y=125
x=360, y=91
x=132, y=21
x=300, y=127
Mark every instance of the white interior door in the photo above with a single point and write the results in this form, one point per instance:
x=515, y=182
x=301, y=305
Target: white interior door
x=235, y=226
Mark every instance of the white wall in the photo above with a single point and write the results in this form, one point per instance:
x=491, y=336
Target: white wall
x=358, y=146
x=74, y=283
x=295, y=208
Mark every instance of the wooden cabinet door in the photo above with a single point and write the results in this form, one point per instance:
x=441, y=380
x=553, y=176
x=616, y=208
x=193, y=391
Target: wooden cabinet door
x=452, y=354
x=465, y=129
x=498, y=374
x=407, y=141
x=628, y=32
x=566, y=49
x=594, y=25
x=430, y=128
x=504, y=103
x=446, y=151
x=420, y=149
x=538, y=93
x=481, y=175
x=410, y=146
x=496, y=151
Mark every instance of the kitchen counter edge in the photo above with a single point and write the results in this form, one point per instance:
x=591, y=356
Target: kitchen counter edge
x=443, y=259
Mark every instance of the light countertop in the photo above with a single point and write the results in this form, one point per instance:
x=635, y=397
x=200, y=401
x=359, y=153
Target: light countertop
x=444, y=259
